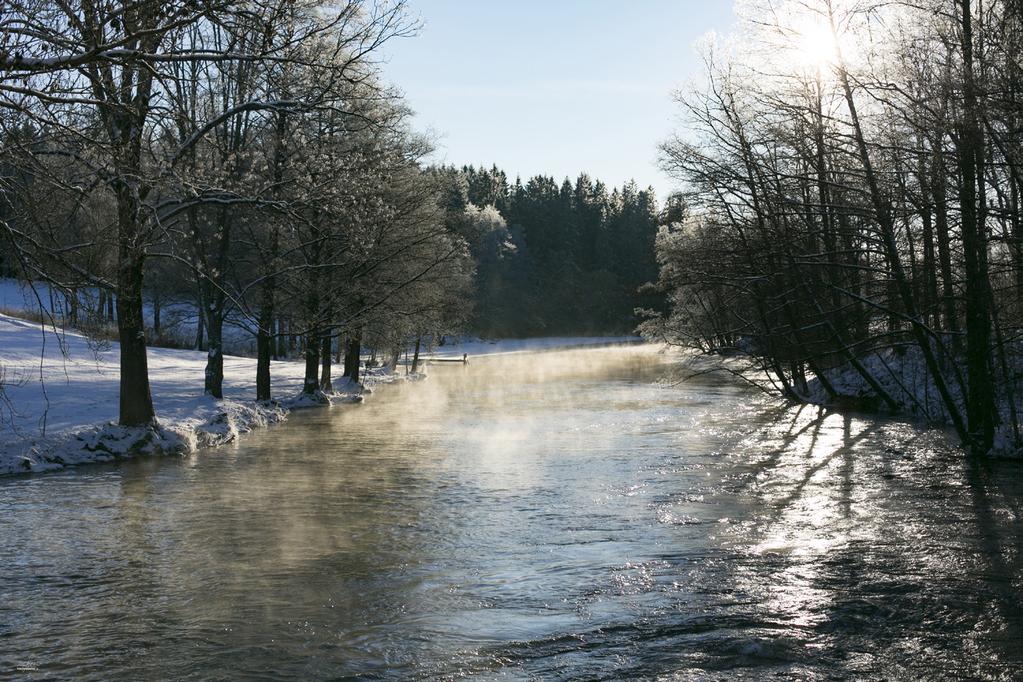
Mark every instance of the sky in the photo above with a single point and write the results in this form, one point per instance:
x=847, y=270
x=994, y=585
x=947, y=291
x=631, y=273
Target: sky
x=556, y=87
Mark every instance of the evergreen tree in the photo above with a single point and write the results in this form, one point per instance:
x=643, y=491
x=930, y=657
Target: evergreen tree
x=553, y=259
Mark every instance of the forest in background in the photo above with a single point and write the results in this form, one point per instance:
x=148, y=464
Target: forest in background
x=554, y=259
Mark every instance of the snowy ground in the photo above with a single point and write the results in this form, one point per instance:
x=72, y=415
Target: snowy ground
x=61, y=397
x=902, y=373
x=178, y=320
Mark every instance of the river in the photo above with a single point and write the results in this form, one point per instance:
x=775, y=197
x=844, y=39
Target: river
x=564, y=515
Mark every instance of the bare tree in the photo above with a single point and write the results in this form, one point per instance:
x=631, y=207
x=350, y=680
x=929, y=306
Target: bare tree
x=100, y=78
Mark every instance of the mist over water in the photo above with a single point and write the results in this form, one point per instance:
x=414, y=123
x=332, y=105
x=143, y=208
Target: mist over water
x=575, y=514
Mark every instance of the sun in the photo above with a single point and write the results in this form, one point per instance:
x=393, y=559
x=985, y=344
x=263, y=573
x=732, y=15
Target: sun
x=815, y=45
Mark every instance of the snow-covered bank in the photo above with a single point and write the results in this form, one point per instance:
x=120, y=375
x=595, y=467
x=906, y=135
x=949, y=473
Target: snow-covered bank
x=59, y=402
x=60, y=399
x=903, y=375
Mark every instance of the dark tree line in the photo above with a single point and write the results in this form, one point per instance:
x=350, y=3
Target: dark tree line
x=552, y=258
x=853, y=231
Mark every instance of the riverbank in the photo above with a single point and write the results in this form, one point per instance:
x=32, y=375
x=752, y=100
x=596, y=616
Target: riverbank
x=59, y=397
x=60, y=400
x=910, y=390
x=907, y=390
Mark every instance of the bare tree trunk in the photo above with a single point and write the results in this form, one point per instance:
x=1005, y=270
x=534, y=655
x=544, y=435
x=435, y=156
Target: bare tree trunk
x=325, y=362
x=156, y=315
x=136, y=400
x=353, y=349
x=200, y=329
x=279, y=347
x=948, y=295
x=1017, y=236
x=930, y=269
x=214, y=300
x=264, y=338
x=264, y=341
x=981, y=415
x=311, y=382
x=415, y=357
x=214, y=374
x=72, y=303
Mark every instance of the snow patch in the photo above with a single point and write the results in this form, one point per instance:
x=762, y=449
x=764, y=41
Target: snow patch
x=59, y=396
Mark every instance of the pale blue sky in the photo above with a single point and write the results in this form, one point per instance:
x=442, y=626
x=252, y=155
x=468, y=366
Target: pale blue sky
x=553, y=87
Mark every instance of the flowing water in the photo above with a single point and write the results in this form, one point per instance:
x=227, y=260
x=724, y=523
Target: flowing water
x=564, y=515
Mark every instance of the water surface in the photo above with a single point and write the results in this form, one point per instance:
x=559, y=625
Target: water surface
x=557, y=516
